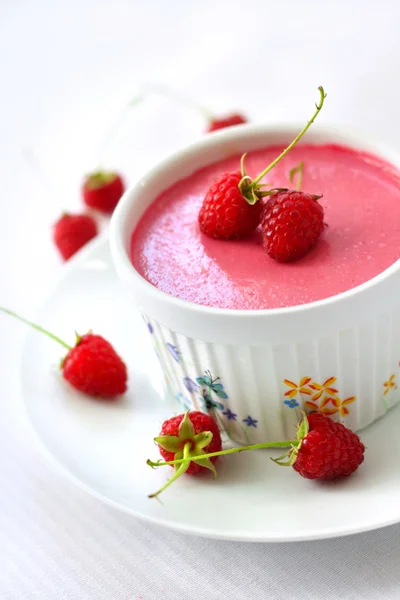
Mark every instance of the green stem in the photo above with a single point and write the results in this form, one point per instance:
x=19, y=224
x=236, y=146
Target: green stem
x=183, y=467
x=286, y=444
x=296, y=139
x=300, y=170
x=50, y=335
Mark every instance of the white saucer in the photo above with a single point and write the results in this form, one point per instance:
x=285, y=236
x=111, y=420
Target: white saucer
x=103, y=447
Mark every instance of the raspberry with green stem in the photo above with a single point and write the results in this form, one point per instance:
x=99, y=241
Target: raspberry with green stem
x=291, y=444
x=91, y=366
x=286, y=444
x=232, y=208
x=187, y=438
x=251, y=188
x=323, y=449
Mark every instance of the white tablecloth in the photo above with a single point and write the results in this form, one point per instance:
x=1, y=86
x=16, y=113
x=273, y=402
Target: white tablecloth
x=66, y=69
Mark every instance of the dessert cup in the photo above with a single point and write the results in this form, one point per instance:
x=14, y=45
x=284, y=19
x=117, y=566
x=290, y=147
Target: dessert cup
x=255, y=368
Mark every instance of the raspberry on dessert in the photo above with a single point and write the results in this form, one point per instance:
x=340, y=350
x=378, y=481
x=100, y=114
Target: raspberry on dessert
x=291, y=224
x=225, y=213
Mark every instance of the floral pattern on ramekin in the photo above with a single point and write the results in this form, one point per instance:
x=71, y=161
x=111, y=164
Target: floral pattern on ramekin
x=320, y=397
x=212, y=396
x=207, y=392
x=389, y=386
x=203, y=392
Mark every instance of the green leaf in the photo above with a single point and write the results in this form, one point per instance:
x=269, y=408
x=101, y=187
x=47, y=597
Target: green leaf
x=287, y=463
x=201, y=381
x=206, y=463
x=170, y=443
x=251, y=197
x=303, y=427
x=221, y=394
x=282, y=457
x=288, y=459
x=202, y=440
x=186, y=430
x=242, y=166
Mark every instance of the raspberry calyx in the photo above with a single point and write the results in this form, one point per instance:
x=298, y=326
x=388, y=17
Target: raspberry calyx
x=187, y=446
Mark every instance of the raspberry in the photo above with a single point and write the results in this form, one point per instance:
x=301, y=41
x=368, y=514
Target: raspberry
x=93, y=367
x=323, y=449
x=201, y=422
x=191, y=434
x=291, y=223
x=102, y=190
x=329, y=450
x=225, y=212
x=71, y=232
x=228, y=121
x=232, y=209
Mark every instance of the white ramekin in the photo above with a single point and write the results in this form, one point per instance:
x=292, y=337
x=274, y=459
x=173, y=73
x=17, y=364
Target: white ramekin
x=339, y=355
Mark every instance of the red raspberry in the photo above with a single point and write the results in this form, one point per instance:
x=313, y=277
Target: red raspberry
x=102, y=190
x=329, y=450
x=225, y=213
x=71, y=232
x=323, y=449
x=93, y=367
x=228, y=121
x=291, y=224
x=320, y=421
x=201, y=422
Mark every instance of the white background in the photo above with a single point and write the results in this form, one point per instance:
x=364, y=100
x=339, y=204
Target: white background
x=66, y=71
